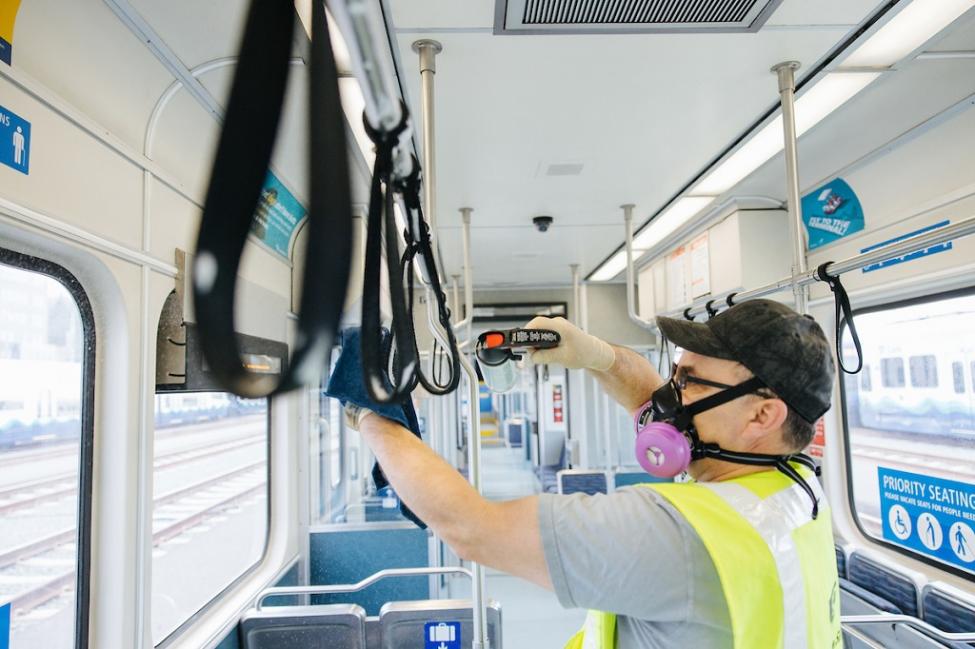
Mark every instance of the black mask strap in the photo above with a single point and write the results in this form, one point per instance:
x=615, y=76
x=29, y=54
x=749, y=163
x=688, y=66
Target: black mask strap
x=726, y=395
x=780, y=462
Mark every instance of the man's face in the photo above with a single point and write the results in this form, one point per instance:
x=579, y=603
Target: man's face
x=722, y=424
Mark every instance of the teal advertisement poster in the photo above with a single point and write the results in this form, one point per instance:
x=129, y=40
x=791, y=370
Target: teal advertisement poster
x=277, y=216
x=929, y=515
x=831, y=212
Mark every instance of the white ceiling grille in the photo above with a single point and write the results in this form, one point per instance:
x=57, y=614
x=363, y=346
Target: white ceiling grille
x=630, y=16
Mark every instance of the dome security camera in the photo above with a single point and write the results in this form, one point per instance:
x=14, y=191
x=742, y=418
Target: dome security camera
x=542, y=223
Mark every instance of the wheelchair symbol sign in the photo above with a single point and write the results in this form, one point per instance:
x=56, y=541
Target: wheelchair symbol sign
x=441, y=635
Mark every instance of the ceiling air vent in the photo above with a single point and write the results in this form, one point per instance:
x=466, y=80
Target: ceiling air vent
x=630, y=16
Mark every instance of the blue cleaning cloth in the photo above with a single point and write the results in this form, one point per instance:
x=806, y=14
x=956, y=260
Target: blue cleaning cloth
x=347, y=385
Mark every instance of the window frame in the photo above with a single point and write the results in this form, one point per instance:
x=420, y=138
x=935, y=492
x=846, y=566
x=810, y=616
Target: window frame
x=176, y=633
x=848, y=455
x=86, y=442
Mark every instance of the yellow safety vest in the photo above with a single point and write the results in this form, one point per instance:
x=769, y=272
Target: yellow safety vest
x=776, y=565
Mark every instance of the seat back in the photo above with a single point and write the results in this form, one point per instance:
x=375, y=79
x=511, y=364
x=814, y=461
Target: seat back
x=419, y=624
x=572, y=481
x=948, y=609
x=840, y=560
x=629, y=478
x=331, y=626
x=895, y=587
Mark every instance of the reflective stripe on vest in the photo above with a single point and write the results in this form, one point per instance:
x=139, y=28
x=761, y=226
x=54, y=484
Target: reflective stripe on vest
x=776, y=565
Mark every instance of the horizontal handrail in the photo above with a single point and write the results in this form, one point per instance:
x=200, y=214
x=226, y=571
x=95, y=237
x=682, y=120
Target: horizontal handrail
x=856, y=262
x=888, y=618
x=328, y=589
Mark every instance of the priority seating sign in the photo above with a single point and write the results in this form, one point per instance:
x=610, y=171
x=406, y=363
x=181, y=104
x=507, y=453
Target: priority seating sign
x=931, y=516
x=441, y=635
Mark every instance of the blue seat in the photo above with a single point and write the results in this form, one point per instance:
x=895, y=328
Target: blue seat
x=948, y=612
x=893, y=586
x=852, y=595
x=572, y=481
x=629, y=478
x=840, y=561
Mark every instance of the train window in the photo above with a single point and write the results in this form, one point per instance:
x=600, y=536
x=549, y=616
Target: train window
x=46, y=359
x=865, y=379
x=210, y=500
x=892, y=372
x=924, y=371
x=914, y=431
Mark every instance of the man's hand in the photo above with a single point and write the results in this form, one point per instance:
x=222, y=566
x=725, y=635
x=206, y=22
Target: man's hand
x=578, y=350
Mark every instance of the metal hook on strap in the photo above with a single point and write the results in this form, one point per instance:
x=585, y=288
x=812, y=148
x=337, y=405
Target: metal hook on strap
x=730, y=300
x=708, y=306
x=687, y=314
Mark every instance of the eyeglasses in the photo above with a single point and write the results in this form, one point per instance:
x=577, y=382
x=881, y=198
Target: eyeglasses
x=682, y=378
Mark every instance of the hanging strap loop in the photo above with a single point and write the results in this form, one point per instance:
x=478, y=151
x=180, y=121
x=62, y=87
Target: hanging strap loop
x=236, y=184
x=843, y=308
x=709, y=307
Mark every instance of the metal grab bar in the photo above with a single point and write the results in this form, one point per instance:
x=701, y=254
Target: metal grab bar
x=631, y=272
x=888, y=618
x=856, y=262
x=280, y=591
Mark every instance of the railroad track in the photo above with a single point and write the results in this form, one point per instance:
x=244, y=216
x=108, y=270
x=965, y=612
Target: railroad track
x=57, y=584
x=66, y=484
x=62, y=450
x=943, y=462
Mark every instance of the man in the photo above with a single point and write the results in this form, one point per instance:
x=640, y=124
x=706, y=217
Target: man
x=743, y=557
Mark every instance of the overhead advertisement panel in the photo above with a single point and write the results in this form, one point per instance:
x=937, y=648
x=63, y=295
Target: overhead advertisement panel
x=931, y=516
x=8, y=16
x=831, y=212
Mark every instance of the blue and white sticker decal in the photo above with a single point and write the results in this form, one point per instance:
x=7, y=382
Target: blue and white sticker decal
x=14, y=141
x=932, y=516
x=917, y=254
x=5, y=626
x=831, y=212
x=441, y=635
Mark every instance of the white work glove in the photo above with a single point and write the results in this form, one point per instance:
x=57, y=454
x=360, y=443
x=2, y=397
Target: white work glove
x=354, y=415
x=578, y=350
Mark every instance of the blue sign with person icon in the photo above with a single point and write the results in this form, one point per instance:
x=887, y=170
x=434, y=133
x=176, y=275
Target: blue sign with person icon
x=14, y=141
x=932, y=516
x=5, y=626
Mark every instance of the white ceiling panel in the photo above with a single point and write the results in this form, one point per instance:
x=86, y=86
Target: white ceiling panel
x=523, y=256
x=961, y=35
x=442, y=14
x=641, y=114
x=196, y=31
x=81, y=51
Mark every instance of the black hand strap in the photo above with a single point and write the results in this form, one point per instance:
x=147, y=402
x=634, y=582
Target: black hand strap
x=842, y=301
x=709, y=307
x=239, y=171
x=420, y=244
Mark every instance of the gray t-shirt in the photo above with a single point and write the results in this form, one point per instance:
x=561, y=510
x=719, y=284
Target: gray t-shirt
x=633, y=554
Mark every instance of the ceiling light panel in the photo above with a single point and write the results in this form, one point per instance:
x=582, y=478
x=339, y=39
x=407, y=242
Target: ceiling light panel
x=908, y=30
x=828, y=94
x=613, y=267
x=672, y=218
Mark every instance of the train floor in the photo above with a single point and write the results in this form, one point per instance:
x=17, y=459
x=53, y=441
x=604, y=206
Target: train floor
x=532, y=616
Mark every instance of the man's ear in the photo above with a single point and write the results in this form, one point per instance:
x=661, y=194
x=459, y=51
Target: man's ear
x=767, y=418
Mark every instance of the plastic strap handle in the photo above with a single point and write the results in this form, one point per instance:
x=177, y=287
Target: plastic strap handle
x=842, y=301
x=381, y=230
x=239, y=171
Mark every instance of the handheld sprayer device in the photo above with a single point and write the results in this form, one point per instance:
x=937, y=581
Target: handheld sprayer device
x=498, y=349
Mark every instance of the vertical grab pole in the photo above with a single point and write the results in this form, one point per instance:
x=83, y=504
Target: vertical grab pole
x=428, y=50
x=579, y=318
x=786, y=72
x=474, y=474
x=631, y=271
x=455, y=302
x=468, y=281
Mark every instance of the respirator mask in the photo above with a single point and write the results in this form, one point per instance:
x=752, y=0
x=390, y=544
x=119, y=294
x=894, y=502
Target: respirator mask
x=667, y=441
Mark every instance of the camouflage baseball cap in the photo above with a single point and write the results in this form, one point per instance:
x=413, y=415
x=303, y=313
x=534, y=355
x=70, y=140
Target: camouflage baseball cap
x=787, y=351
